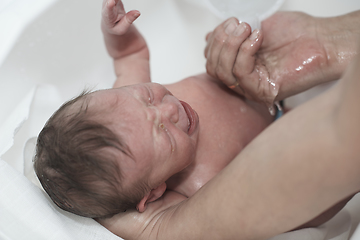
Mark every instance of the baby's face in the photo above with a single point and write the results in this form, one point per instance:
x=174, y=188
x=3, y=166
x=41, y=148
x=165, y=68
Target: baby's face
x=160, y=131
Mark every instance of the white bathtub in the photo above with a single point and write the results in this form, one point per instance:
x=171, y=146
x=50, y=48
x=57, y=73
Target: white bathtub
x=50, y=50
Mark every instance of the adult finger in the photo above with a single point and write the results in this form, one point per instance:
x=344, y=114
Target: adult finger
x=250, y=73
x=229, y=54
x=216, y=41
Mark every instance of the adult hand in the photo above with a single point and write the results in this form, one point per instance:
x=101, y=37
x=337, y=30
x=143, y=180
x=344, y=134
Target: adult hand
x=285, y=57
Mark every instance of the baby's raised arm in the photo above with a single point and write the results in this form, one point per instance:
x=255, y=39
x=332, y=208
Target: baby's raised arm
x=125, y=44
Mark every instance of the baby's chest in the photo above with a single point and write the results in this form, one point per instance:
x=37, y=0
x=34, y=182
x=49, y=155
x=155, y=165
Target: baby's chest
x=224, y=120
x=224, y=132
x=227, y=122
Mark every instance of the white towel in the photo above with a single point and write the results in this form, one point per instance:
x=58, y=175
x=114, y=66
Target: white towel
x=27, y=213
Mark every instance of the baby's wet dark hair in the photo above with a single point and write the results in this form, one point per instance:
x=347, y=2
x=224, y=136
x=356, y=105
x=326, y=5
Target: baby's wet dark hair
x=76, y=168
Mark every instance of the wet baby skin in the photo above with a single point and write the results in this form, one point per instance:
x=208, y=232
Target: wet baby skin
x=166, y=154
x=180, y=134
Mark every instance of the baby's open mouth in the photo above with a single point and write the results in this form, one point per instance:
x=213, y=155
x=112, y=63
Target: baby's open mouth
x=193, y=118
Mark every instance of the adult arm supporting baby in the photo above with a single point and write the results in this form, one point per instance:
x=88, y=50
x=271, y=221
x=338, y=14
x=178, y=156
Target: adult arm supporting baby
x=300, y=166
x=305, y=166
x=125, y=44
x=296, y=169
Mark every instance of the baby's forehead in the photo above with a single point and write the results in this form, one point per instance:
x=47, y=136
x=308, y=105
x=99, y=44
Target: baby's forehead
x=106, y=100
x=107, y=97
x=115, y=97
x=105, y=106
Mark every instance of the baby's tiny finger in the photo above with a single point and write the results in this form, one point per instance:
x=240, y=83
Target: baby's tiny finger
x=110, y=4
x=208, y=36
x=125, y=22
x=206, y=51
x=108, y=14
x=245, y=61
x=132, y=16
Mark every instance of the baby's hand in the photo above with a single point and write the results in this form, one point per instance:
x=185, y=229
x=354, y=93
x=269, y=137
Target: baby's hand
x=231, y=57
x=286, y=57
x=114, y=18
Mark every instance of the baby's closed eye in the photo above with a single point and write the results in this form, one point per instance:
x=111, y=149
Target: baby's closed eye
x=150, y=95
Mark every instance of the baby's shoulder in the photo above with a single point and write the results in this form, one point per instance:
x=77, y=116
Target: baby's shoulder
x=198, y=87
x=201, y=79
x=198, y=83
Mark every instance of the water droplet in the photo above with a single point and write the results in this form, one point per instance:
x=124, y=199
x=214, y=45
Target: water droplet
x=277, y=104
x=272, y=110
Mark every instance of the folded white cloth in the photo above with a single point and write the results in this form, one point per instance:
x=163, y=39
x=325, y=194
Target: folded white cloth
x=27, y=213
x=356, y=235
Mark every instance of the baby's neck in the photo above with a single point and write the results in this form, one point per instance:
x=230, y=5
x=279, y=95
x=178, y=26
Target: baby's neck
x=186, y=182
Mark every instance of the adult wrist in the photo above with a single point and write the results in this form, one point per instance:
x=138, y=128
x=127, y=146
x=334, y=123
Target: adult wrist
x=339, y=36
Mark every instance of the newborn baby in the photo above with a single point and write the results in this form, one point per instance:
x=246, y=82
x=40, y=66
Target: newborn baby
x=111, y=150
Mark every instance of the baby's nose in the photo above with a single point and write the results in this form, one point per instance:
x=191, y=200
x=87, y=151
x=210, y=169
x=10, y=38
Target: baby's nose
x=170, y=110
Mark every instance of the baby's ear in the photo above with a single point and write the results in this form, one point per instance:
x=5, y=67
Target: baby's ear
x=151, y=196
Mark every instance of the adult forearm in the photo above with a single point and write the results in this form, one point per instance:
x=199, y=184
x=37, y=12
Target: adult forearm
x=296, y=169
x=339, y=36
x=276, y=184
